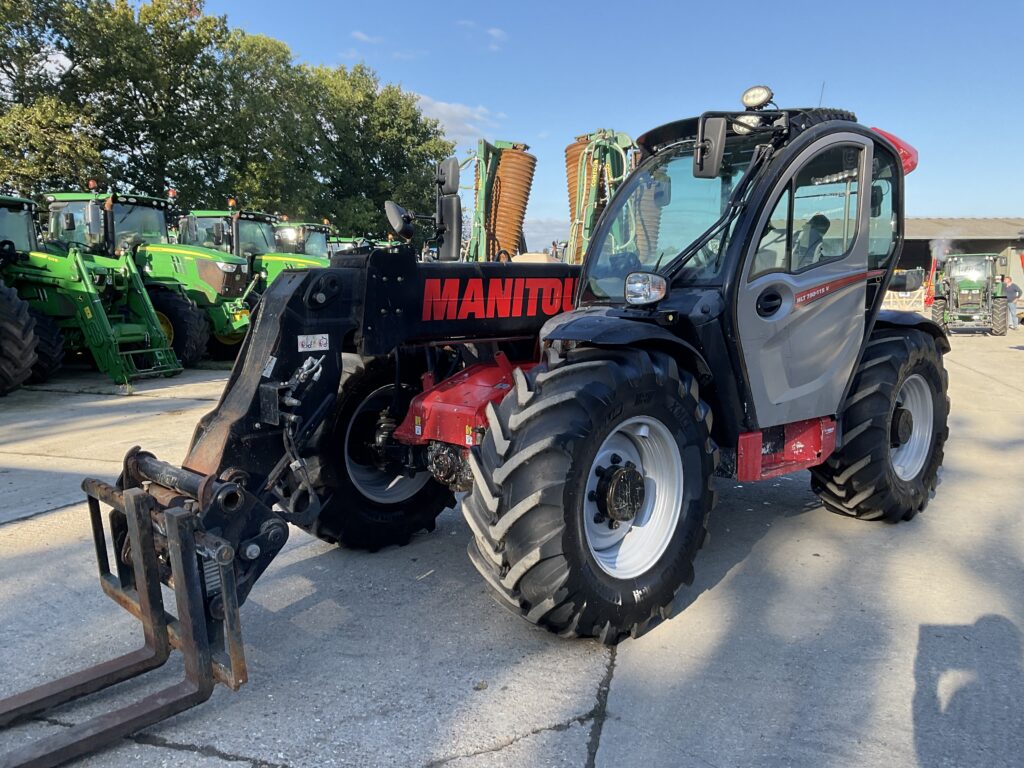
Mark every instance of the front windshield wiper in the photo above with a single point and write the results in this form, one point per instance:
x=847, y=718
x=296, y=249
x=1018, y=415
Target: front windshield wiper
x=733, y=206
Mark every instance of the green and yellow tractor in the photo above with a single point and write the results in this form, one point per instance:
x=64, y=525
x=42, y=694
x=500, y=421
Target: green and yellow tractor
x=81, y=295
x=249, y=235
x=197, y=292
x=304, y=238
x=969, y=293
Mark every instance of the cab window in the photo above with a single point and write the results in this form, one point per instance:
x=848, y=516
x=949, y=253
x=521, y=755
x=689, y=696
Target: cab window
x=814, y=221
x=884, y=206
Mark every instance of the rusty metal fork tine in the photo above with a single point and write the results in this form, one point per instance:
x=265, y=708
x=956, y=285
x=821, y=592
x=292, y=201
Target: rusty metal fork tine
x=194, y=644
x=152, y=654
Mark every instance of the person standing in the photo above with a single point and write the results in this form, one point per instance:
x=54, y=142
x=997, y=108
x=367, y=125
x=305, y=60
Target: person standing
x=1012, y=293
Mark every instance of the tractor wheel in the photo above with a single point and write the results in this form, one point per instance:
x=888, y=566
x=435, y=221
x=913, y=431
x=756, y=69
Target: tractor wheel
x=223, y=347
x=592, y=493
x=939, y=312
x=368, y=506
x=893, y=432
x=185, y=326
x=17, y=340
x=1000, y=316
x=49, y=348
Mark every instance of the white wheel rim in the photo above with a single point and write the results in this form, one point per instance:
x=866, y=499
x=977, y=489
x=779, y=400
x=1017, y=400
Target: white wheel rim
x=374, y=484
x=914, y=396
x=638, y=544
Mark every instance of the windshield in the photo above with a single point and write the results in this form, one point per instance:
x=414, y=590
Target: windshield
x=18, y=227
x=316, y=244
x=205, y=234
x=79, y=233
x=256, y=238
x=138, y=225
x=975, y=270
x=658, y=212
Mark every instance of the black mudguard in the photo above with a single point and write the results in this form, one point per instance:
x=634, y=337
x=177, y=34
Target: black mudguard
x=607, y=327
x=895, y=318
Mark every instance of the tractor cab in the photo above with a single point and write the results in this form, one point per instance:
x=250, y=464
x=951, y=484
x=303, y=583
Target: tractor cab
x=305, y=238
x=17, y=227
x=107, y=223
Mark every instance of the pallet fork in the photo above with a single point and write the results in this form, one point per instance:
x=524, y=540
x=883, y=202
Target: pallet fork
x=212, y=647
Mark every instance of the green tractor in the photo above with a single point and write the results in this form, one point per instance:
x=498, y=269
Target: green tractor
x=969, y=293
x=197, y=292
x=306, y=239
x=83, y=297
x=249, y=235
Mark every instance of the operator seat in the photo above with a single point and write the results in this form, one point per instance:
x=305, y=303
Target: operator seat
x=809, y=242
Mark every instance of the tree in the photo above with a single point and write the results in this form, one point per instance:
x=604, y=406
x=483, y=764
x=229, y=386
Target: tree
x=47, y=146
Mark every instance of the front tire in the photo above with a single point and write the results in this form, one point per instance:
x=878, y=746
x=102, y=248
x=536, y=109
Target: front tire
x=1000, y=316
x=49, y=349
x=939, y=312
x=366, y=507
x=185, y=326
x=888, y=465
x=553, y=474
x=17, y=340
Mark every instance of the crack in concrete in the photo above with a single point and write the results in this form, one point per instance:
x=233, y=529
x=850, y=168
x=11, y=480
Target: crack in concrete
x=151, y=740
x=596, y=716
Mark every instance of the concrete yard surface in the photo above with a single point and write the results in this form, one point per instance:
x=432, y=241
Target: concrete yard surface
x=811, y=640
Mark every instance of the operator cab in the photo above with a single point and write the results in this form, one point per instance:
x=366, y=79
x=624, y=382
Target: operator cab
x=108, y=223
x=304, y=238
x=17, y=227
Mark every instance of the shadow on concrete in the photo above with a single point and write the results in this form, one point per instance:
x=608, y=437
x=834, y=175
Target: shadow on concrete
x=969, y=694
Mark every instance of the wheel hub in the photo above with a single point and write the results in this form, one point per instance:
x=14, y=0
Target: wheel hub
x=620, y=492
x=902, y=427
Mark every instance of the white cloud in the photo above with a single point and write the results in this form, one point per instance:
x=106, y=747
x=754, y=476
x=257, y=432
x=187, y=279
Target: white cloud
x=540, y=232
x=462, y=123
x=362, y=37
x=497, y=36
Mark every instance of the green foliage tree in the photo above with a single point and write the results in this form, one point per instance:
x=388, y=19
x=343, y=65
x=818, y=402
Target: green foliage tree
x=163, y=94
x=47, y=145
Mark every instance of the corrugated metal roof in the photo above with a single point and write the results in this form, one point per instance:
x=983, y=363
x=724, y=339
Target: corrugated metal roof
x=926, y=228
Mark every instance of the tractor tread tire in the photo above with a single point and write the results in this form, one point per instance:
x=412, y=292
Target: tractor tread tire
x=858, y=479
x=191, y=327
x=525, y=544
x=939, y=312
x=17, y=340
x=810, y=117
x=1000, y=316
x=348, y=518
x=49, y=348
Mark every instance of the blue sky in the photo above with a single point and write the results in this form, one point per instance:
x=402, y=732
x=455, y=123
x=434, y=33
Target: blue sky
x=948, y=78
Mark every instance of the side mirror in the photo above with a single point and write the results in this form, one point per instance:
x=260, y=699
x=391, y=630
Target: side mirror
x=449, y=242
x=188, y=229
x=94, y=220
x=707, y=155
x=1002, y=261
x=662, y=192
x=218, y=233
x=448, y=176
x=905, y=282
x=399, y=219
x=877, y=196
x=67, y=222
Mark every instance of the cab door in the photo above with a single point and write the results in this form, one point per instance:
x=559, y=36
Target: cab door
x=801, y=298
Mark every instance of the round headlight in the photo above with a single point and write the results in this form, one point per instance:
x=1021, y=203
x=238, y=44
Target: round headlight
x=757, y=96
x=743, y=124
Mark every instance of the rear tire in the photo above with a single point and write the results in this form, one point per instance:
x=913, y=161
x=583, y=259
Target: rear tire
x=49, y=348
x=939, y=312
x=1000, y=316
x=537, y=541
x=365, y=507
x=869, y=478
x=17, y=340
x=190, y=330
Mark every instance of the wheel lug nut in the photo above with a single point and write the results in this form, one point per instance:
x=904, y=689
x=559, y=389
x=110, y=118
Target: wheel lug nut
x=613, y=524
x=616, y=459
x=592, y=496
x=599, y=518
